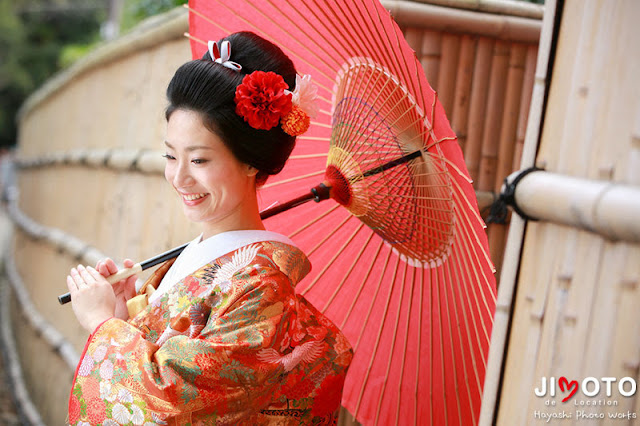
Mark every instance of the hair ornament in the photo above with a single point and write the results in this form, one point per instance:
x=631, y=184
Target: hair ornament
x=262, y=99
x=221, y=55
x=305, y=95
x=298, y=120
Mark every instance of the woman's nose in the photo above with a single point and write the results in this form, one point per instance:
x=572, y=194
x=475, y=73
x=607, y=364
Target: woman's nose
x=182, y=176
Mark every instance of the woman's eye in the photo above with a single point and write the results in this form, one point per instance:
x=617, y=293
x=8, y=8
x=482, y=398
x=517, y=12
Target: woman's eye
x=198, y=161
x=169, y=157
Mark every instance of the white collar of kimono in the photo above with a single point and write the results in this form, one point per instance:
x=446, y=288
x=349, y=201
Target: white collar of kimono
x=198, y=253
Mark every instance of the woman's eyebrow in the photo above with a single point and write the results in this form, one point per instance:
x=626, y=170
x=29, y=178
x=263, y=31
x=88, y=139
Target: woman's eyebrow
x=189, y=148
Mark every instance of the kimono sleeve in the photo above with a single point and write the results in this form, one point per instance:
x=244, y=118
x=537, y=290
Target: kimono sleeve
x=122, y=376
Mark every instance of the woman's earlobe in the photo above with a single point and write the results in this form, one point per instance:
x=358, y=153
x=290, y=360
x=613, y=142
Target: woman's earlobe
x=251, y=171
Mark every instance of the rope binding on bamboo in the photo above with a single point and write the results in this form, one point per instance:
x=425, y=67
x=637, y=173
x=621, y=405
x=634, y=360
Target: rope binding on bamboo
x=498, y=211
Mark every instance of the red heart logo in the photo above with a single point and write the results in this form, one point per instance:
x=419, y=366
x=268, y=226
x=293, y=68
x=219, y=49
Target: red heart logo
x=571, y=386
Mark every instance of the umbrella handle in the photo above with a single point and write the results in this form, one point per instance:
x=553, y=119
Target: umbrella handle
x=124, y=273
x=112, y=279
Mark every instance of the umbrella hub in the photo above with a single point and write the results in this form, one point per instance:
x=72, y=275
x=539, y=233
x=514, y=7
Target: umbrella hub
x=344, y=176
x=385, y=166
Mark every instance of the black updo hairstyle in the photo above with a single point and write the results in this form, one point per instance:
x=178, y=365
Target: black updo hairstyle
x=208, y=88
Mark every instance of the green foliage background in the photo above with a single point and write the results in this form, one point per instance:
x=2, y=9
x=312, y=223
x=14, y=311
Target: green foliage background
x=40, y=37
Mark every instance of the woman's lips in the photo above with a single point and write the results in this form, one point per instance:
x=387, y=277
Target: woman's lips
x=193, y=199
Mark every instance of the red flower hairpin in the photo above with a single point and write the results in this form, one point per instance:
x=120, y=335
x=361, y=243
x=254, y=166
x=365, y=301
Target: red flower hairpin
x=263, y=100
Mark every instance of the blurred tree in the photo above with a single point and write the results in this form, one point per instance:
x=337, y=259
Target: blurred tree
x=33, y=33
x=15, y=81
x=39, y=37
x=138, y=10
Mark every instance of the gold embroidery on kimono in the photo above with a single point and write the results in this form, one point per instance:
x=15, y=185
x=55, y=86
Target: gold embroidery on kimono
x=229, y=344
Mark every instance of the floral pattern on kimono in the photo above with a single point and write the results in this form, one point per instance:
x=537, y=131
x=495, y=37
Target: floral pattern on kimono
x=231, y=343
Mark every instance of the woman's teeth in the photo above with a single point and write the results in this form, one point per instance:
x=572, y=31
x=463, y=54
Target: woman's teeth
x=192, y=197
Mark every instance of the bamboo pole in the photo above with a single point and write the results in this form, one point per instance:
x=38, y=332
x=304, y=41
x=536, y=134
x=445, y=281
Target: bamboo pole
x=523, y=364
x=441, y=18
x=511, y=261
x=512, y=105
x=493, y=117
x=503, y=7
x=527, y=90
x=430, y=54
x=625, y=359
x=450, y=55
x=477, y=116
x=461, y=102
x=503, y=159
x=612, y=210
x=633, y=169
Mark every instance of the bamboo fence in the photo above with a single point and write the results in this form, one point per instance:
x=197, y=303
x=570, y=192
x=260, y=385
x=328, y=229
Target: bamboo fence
x=90, y=175
x=568, y=300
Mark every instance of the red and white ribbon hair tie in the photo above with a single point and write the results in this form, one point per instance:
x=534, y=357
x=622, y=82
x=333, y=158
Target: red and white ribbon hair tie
x=222, y=54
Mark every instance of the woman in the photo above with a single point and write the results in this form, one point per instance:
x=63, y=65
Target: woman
x=224, y=339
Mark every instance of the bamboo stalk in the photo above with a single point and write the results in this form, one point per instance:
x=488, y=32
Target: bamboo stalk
x=461, y=98
x=527, y=90
x=441, y=18
x=502, y=7
x=413, y=36
x=477, y=116
x=496, y=233
x=512, y=103
x=612, y=210
x=503, y=159
x=493, y=116
x=430, y=53
x=450, y=56
x=633, y=168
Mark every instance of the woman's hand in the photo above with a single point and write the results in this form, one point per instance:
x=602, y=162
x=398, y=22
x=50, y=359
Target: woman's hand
x=123, y=290
x=92, y=297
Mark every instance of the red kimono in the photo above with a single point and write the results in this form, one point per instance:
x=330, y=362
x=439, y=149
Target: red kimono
x=231, y=343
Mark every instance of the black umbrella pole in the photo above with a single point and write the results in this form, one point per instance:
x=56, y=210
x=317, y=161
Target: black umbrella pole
x=393, y=163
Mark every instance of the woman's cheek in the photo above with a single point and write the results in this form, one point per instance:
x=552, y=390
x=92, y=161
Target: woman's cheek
x=168, y=173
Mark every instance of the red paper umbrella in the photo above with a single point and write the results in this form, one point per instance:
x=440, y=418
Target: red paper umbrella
x=399, y=251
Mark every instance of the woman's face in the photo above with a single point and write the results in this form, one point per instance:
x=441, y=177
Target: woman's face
x=213, y=185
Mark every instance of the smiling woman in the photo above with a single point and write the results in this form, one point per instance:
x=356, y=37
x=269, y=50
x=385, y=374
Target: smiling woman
x=218, y=335
x=216, y=189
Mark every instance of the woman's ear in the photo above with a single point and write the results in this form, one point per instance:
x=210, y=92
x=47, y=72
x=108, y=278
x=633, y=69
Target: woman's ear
x=251, y=171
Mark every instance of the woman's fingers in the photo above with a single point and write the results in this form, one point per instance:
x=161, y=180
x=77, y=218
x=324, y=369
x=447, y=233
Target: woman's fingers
x=97, y=276
x=111, y=266
x=102, y=268
x=108, y=267
x=71, y=284
x=77, y=278
x=86, y=277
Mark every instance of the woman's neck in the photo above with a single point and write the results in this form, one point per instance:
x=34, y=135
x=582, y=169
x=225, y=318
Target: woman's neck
x=245, y=217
